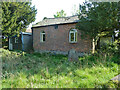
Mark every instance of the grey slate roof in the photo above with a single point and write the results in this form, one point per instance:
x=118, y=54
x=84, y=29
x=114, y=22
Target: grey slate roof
x=59, y=20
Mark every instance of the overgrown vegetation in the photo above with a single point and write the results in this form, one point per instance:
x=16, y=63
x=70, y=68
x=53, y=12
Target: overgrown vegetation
x=101, y=19
x=23, y=70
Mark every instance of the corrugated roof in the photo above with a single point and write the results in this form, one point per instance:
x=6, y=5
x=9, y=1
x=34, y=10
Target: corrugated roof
x=59, y=20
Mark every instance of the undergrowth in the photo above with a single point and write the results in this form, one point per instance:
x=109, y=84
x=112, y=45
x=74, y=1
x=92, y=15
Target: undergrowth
x=23, y=70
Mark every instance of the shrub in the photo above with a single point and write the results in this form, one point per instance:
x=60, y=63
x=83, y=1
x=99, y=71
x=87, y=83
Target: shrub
x=110, y=47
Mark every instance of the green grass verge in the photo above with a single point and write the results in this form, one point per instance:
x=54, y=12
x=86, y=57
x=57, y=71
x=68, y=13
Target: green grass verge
x=23, y=70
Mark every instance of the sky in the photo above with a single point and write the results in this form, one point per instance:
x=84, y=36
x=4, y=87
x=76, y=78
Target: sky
x=47, y=8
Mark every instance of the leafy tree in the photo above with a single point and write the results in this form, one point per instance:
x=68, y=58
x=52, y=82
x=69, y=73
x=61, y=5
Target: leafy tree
x=16, y=16
x=97, y=20
x=60, y=14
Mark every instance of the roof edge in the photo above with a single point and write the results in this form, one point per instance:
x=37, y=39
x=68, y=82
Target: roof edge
x=54, y=24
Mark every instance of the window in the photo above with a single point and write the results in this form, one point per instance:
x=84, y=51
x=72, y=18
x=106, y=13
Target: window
x=56, y=26
x=16, y=39
x=42, y=36
x=73, y=36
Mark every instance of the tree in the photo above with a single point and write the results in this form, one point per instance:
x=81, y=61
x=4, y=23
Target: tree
x=60, y=14
x=98, y=19
x=16, y=16
x=75, y=10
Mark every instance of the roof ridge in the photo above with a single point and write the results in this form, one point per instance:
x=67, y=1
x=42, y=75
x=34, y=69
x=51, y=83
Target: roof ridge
x=62, y=17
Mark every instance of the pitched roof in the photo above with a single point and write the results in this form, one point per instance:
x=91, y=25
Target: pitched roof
x=26, y=33
x=59, y=20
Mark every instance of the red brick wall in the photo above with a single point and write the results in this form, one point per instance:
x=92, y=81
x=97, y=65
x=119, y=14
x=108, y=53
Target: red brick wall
x=58, y=39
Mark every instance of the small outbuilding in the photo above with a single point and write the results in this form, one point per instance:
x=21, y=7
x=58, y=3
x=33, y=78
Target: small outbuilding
x=23, y=42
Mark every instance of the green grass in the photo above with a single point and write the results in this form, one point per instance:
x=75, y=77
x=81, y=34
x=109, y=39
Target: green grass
x=23, y=70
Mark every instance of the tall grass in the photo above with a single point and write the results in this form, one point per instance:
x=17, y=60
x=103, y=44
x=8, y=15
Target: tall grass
x=23, y=70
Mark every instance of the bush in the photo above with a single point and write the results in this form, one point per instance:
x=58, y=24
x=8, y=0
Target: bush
x=110, y=47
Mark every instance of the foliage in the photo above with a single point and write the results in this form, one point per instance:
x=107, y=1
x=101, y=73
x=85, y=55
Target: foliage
x=23, y=70
x=110, y=47
x=98, y=19
x=16, y=16
x=60, y=14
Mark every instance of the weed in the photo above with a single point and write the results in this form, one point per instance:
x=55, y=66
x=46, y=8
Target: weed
x=23, y=70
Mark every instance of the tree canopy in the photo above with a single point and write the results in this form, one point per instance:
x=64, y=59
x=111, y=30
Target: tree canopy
x=16, y=16
x=98, y=19
x=60, y=14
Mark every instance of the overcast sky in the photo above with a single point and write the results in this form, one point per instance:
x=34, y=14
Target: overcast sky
x=47, y=8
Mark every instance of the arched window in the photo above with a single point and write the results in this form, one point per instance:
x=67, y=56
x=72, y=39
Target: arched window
x=42, y=36
x=73, y=36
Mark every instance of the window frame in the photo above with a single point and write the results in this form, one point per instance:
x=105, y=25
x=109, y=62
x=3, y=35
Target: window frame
x=41, y=36
x=16, y=39
x=74, y=31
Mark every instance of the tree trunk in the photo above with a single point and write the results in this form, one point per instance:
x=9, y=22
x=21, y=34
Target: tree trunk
x=93, y=46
